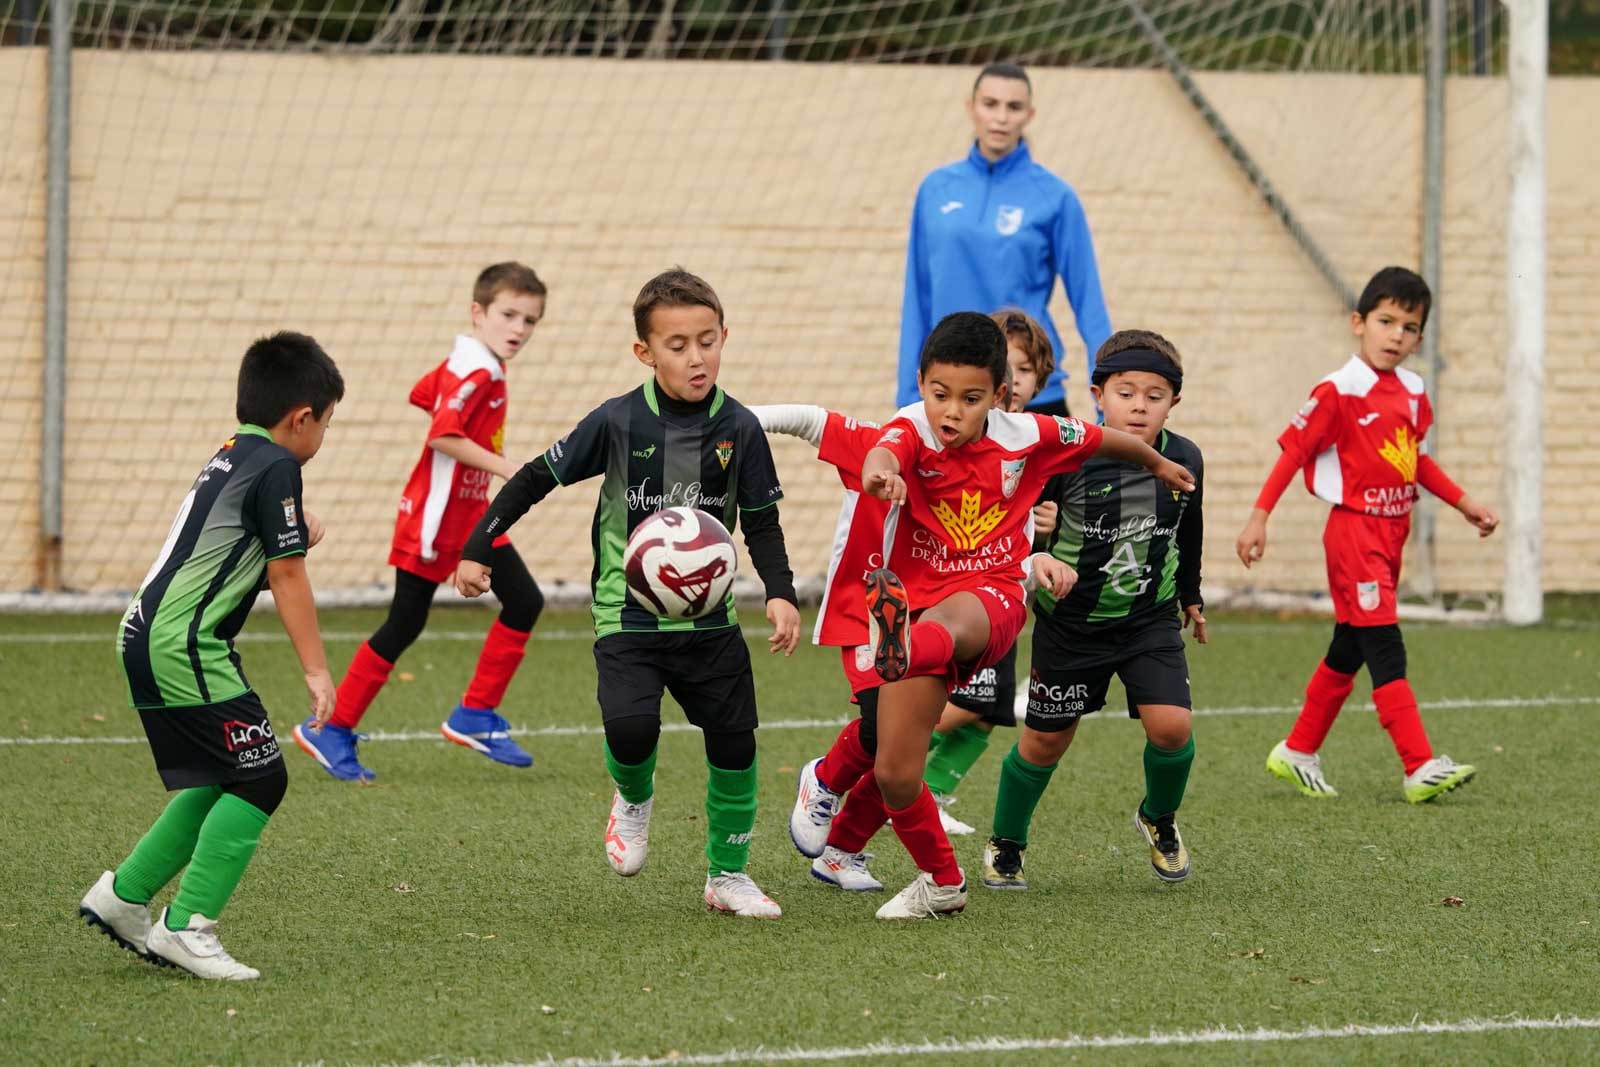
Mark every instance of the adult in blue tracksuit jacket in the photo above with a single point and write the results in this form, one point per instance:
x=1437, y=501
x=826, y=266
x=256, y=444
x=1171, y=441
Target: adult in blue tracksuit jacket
x=993, y=230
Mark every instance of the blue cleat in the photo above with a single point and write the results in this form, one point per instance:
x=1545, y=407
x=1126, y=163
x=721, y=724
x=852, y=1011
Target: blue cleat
x=486, y=732
x=335, y=748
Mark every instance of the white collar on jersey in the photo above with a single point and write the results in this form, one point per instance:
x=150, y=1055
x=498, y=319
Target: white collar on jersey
x=471, y=354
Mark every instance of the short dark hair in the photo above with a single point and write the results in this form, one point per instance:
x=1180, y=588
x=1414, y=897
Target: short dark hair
x=673, y=288
x=283, y=372
x=1123, y=340
x=1404, y=287
x=1013, y=71
x=966, y=339
x=1021, y=330
x=502, y=277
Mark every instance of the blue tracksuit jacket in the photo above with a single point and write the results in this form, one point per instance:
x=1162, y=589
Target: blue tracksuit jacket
x=991, y=235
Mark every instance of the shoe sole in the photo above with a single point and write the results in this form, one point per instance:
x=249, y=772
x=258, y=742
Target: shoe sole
x=819, y=876
x=1448, y=787
x=1165, y=876
x=468, y=741
x=322, y=761
x=888, y=606
x=1286, y=771
x=93, y=920
x=931, y=915
x=162, y=961
x=798, y=786
x=720, y=910
x=1006, y=886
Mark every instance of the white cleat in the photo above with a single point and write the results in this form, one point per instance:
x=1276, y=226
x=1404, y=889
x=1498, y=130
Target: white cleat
x=126, y=924
x=814, y=809
x=847, y=870
x=925, y=899
x=1437, y=777
x=628, y=835
x=953, y=826
x=197, y=950
x=1303, y=770
x=733, y=891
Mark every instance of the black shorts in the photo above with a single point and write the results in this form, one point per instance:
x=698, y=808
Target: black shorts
x=1071, y=671
x=992, y=692
x=706, y=671
x=212, y=744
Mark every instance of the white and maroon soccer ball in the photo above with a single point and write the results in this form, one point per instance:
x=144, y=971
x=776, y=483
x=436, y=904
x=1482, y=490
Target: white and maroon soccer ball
x=679, y=563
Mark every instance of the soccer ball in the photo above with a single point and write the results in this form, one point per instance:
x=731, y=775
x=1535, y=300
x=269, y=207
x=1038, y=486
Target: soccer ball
x=679, y=563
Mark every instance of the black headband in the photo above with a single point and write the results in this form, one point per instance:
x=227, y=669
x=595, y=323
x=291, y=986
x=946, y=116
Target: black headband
x=1146, y=359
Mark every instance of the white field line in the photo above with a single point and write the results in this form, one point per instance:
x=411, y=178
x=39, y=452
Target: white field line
x=1068, y=1043
x=592, y=730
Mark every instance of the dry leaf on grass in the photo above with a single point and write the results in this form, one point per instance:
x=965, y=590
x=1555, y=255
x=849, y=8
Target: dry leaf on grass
x=1253, y=954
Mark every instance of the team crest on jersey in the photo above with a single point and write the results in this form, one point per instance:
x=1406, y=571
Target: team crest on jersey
x=498, y=441
x=970, y=524
x=288, y=511
x=1071, y=430
x=1008, y=220
x=228, y=443
x=1367, y=595
x=1011, y=476
x=1401, y=452
x=724, y=453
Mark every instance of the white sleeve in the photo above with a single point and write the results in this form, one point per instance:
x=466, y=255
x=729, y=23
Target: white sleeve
x=805, y=421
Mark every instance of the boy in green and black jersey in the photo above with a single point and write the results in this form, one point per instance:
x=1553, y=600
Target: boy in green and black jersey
x=242, y=521
x=677, y=440
x=1135, y=545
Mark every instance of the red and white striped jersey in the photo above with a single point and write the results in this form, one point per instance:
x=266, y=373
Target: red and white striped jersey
x=1360, y=437
x=466, y=397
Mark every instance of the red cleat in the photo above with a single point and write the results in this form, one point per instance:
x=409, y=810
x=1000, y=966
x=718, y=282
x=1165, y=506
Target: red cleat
x=889, y=614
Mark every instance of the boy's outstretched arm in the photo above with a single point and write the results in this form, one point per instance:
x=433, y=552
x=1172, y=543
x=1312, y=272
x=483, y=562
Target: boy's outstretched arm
x=1129, y=449
x=880, y=476
x=526, y=488
x=291, y=591
x=805, y=421
x=1433, y=478
x=763, y=536
x=469, y=453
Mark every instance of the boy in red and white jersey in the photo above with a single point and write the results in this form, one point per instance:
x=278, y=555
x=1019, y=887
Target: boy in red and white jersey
x=1361, y=441
x=446, y=495
x=960, y=537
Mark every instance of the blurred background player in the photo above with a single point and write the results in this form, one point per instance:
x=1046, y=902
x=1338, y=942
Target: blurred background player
x=987, y=700
x=995, y=230
x=242, y=520
x=955, y=466
x=1135, y=548
x=1362, y=441
x=676, y=440
x=465, y=398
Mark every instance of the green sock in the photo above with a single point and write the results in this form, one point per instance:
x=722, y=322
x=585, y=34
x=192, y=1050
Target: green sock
x=1166, y=775
x=228, y=839
x=636, y=783
x=166, y=847
x=935, y=740
x=730, y=817
x=1021, y=785
x=960, y=750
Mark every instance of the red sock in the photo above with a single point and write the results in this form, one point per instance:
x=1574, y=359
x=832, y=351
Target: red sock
x=863, y=815
x=932, y=648
x=1397, y=713
x=1325, y=695
x=918, y=829
x=501, y=655
x=362, y=679
x=844, y=764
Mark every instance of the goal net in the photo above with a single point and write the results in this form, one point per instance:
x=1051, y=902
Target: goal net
x=345, y=167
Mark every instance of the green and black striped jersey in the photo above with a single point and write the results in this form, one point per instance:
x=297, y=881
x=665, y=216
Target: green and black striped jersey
x=654, y=453
x=244, y=509
x=1134, y=543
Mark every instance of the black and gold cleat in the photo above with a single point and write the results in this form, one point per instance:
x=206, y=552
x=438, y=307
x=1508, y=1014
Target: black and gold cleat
x=1002, y=864
x=1167, y=855
x=889, y=613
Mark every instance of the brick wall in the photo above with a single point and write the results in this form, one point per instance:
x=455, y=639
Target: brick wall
x=217, y=197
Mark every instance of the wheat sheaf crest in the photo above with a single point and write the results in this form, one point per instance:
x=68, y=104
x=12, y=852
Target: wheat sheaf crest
x=1402, y=453
x=968, y=528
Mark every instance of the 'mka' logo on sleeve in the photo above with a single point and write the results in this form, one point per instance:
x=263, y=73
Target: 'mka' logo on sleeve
x=969, y=526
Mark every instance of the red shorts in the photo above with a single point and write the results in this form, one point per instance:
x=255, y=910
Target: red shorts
x=1008, y=614
x=1363, y=553
x=441, y=568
